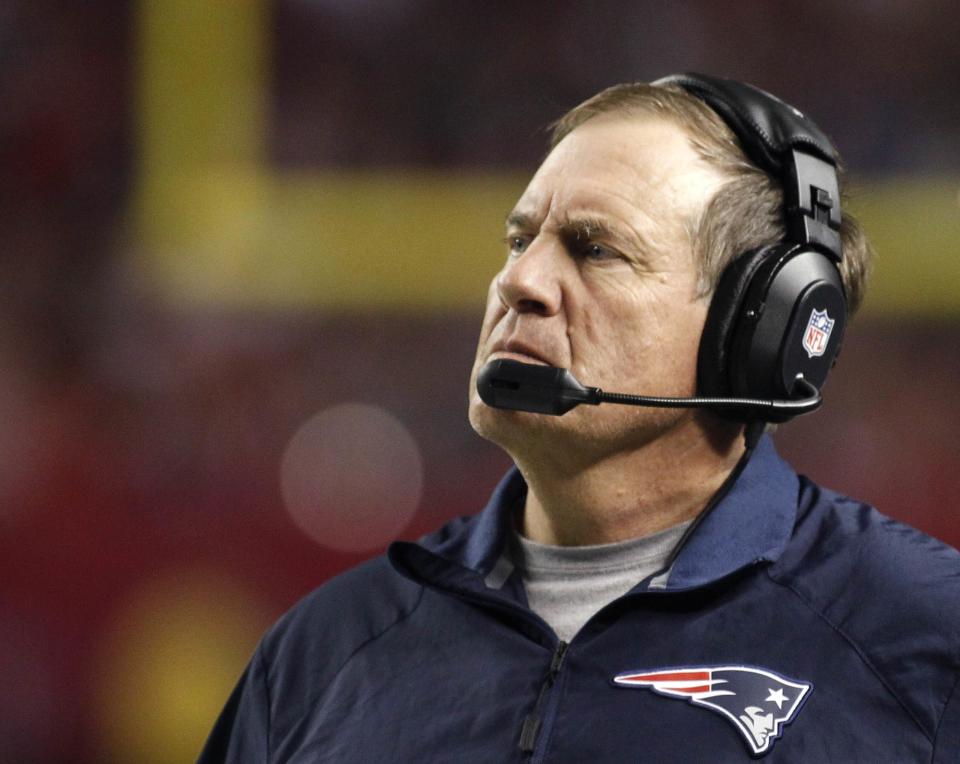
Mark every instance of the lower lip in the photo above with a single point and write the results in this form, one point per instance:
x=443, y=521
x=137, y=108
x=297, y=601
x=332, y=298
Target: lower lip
x=505, y=354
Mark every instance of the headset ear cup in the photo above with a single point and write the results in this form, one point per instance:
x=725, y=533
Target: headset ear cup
x=792, y=323
x=716, y=355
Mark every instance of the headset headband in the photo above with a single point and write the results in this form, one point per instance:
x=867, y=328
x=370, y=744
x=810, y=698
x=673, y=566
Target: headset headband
x=780, y=140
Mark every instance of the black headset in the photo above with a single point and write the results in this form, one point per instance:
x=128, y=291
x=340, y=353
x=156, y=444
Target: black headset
x=779, y=311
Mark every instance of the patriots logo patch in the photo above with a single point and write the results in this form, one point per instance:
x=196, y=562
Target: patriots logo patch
x=758, y=702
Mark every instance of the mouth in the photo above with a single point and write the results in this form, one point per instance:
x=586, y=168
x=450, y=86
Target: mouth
x=517, y=351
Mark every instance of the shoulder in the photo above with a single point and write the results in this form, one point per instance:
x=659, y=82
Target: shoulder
x=848, y=557
x=888, y=591
x=320, y=634
x=301, y=654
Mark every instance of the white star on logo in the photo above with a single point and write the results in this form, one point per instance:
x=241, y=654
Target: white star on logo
x=777, y=697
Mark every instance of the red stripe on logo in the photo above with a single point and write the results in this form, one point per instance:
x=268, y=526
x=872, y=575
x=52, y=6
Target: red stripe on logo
x=673, y=676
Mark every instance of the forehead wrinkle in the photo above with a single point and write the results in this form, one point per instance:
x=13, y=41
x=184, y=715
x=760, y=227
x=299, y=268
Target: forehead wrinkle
x=528, y=214
x=652, y=189
x=640, y=217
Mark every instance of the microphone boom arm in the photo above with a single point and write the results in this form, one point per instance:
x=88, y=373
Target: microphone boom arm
x=509, y=384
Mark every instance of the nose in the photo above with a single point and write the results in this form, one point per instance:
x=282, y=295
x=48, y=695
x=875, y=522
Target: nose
x=530, y=282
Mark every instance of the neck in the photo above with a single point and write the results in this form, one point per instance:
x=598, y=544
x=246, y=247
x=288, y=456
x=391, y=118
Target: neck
x=629, y=494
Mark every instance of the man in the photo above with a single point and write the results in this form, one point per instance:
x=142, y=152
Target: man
x=648, y=584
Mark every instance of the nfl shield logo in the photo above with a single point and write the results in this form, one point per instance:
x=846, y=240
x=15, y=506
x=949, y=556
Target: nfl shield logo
x=817, y=335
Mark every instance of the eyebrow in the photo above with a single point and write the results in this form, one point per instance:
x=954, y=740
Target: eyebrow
x=588, y=227
x=591, y=226
x=518, y=220
x=584, y=228
x=580, y=227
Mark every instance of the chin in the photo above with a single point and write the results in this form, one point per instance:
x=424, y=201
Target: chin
x=591, y=432
x=512, y=429
x=488, y=421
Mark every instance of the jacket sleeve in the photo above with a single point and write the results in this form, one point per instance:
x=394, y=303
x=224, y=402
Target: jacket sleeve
x=947, y=743
x=241, y=733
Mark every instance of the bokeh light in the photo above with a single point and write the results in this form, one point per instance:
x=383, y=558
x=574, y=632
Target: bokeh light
x=352, y=477
x=169, y=660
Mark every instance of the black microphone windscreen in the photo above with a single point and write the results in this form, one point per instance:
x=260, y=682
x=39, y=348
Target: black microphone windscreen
x=509, y=384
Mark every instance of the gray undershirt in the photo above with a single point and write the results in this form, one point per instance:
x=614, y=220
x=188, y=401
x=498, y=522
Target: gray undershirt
x=566, y=585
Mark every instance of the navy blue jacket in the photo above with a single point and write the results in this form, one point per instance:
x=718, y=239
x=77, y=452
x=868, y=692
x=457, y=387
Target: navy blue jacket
x=795, y=625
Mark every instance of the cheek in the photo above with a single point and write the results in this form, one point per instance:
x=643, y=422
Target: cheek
x=648, y=333
x=679, y=327
x=494, y=312
x=620, y=321
x=490, y=330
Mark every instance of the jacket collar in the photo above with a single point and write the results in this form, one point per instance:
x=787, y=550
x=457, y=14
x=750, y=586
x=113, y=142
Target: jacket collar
x=751, y=523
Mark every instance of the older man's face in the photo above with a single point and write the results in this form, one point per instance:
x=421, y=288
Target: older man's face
x=600, y=278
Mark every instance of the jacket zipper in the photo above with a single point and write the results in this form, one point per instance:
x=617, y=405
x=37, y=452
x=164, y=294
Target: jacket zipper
x=534, y=720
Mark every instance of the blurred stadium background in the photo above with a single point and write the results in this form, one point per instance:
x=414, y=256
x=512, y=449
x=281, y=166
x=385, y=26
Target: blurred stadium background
x=245, y=247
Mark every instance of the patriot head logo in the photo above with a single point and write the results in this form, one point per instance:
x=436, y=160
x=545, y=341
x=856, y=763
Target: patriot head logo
x=758, y=702
x=817, y=334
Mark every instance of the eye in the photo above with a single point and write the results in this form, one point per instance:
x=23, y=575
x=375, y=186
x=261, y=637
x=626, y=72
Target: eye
x=594, y=251
x=516, y=243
